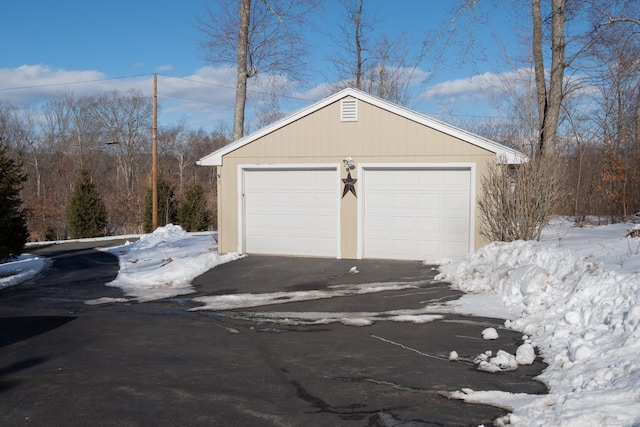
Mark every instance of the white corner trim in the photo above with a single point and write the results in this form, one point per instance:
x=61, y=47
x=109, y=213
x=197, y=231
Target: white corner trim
x=363, y=167
x=285, y=166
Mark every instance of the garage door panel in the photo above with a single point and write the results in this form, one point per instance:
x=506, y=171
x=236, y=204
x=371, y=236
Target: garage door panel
x=399, y=178
x=291, y=212
x=426, y=179
x=455, y=179
x=416, y=213
x=300, y=200
x=401, y=224
x=400, y=201
x=323, y=222
x=323, y=200
x=428, y=201
x=380, y=179
x=378, y=200
x=377, y=223
x=459, y=202
x=427, y=225
x=454, y=226
x=298, y=221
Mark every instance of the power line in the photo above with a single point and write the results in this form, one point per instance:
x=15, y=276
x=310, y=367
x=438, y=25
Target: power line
x=233, y=88
x=75, y=83
x=215, y=85
x=196, y=102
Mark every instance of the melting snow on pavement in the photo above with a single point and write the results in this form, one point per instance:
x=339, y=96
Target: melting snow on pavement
x=574, y=296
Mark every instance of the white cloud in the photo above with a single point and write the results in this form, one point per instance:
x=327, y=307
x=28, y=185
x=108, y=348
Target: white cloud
x=204, y=98
x=472, y=88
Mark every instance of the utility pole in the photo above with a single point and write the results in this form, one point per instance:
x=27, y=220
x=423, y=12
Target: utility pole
x=154, y=157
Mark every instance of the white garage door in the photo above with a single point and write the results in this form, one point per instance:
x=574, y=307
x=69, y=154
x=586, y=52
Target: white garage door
x=291, y=212
x=417, y=214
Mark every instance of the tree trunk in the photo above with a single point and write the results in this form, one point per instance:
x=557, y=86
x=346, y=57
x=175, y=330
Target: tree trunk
x=538, y=63
x=358, y=41
x=549, y=101
x=556, y=80
x=241, y=84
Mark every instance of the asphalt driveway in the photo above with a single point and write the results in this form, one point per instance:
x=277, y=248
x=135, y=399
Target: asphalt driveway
x=63, y=362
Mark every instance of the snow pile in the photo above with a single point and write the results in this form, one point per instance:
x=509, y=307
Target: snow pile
x=21, y=269
x=490, y=334
x=584, y=318
x=163, y=263
x=503, y=361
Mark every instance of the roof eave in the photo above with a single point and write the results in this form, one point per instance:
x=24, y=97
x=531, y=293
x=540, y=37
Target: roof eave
x=503, y=154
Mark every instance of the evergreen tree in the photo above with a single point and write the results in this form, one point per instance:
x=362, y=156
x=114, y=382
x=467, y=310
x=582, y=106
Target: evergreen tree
x=86, y=213
x=13, y=220
x=167, y=206
x=193, y=214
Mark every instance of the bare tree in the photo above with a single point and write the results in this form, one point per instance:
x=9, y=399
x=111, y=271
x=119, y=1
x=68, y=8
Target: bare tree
x=126, y=121
x=259, y=36
x=383, y=66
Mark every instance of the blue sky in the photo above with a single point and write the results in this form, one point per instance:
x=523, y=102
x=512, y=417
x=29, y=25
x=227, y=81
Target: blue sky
x=52, y=46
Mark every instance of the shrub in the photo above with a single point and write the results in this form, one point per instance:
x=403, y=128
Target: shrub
x=86, y=212
x=193, y=214
x=13, y=219
x=167, y=206
x=518, y=200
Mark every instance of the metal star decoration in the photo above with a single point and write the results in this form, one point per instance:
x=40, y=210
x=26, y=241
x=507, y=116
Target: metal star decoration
x=349, y=185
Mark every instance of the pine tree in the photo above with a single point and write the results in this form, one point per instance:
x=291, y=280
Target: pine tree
x=13, y=219
x=167, y=206
x=86, y=212
x=193, y=214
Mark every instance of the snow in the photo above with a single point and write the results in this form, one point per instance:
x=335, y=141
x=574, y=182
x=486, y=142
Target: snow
x=577, y=294
x=163, y=264
x=235, y=301
x=21, y=269
x=490, y=334
x=574, y=296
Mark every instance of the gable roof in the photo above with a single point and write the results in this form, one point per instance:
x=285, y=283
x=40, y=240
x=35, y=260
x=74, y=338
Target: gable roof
x=503, y=153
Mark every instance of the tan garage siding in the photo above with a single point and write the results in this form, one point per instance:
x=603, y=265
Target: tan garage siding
x=379, y=136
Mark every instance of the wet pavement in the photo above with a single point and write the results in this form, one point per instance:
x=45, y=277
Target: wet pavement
x=63, y=362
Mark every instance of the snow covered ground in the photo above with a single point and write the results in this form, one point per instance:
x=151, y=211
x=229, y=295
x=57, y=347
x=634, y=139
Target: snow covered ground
x=574, y=296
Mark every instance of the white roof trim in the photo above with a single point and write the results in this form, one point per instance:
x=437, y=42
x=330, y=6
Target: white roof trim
x=503, y=153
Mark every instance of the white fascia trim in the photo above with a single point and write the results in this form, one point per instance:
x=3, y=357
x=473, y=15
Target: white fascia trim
x=285, y=166
x=503, y=154
x=363, y=167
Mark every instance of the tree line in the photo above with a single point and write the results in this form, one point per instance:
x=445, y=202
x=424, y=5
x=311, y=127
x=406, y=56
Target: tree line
x=100, y=146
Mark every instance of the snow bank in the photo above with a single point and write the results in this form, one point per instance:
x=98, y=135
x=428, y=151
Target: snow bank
x=163, y=263
x=584, y=319
x=21, y=269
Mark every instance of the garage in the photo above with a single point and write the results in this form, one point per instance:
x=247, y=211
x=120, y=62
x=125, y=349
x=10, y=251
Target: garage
x=354, y=176
x=291, y=211
x=416, y=213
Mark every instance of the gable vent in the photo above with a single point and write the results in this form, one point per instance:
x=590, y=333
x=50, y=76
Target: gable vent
x=349, y=110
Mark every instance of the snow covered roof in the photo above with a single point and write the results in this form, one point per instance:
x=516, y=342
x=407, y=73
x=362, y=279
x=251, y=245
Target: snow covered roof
x=503, y=153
